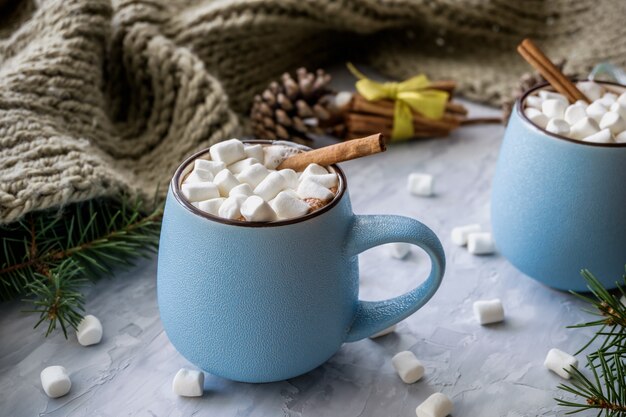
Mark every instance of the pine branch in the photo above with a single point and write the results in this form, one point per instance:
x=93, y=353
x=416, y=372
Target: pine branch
x=50, y=255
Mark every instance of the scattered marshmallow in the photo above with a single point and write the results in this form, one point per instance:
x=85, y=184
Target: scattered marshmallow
x=241, y=189
x=255, y=151
x=554, y=108
x=225, y=181
x=271, y=185
x=253, y=175
x=398, y=250
x=459, y=234
x=574, y=113
x=603, y=136
x=255, y=209
x=384, y=332
x=537, y=117
x=55, y=381
x=558, y=127
x=488, y=311
x=288, y=205
x=613, y=121
x=592, y=90
x=198, y=191
x=311, y=189
x=408, y=367
x=480, y=243
x=231, y=207
x=211, y=206
x=437, y=405
x=89, y=331
x=583, y=128
x=560, y=362
x=420, y=184
x=596, y=110
x=239, y=166
x=188, y=383
x=228, y=151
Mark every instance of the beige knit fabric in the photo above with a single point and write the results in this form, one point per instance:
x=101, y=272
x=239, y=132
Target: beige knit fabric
x=97, y=98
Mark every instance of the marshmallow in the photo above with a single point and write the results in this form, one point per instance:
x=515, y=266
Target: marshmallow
x=311, y=189
x=554, y=108
x=288, y=205
x=420, y=184
x=408, y=367
x=276, y=154
x=398, y=250
x=459, y=234
x=239, y=166
x=198, y=176
x=574, y=113
x=613, y=122
x=603, y=136
x=291, y=177
x=558, y=127
x=225, y=181
x=621, y=137
x=384, y=332
x=622, y=99
x=551, y=95
x=255, y=151
x=55, y=381
x=198, y=191
x=327, y=180
x=211, y=166
x=534, y=102
x=211, y=206
x=596, y=110
x=188, y=383
x=271, y=185
x=537, y=117
x=241, y=189
x=582, y=103
x=255, y=209
x=437, y=405
x=560, y=362
x=592, y=90
x=583, y=128
x=480, y=243
x=253, y=175
x=488, y=311
x=618, y=108
x=228, y=151
x=314, y=169
x=231, y=207
x=608, y=99
x=89, y=331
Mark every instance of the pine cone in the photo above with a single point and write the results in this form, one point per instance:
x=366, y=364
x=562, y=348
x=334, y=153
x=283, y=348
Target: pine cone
x=526, y=81
x=291, y=109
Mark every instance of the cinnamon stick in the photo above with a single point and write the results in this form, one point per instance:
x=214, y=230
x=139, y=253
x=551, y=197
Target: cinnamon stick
x=535, y=57
x=339, y=152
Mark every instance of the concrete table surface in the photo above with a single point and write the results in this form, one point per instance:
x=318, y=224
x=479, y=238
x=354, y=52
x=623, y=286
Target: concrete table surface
x=487, y=371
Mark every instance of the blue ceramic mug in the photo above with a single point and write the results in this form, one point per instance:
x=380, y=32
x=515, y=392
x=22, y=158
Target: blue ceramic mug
x=559, y=205
x=261, y=302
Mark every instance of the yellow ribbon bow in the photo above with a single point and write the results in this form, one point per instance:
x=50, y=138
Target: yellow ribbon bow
x=408, y=95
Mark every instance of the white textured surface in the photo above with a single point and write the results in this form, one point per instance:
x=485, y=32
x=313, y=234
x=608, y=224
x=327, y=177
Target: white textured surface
x=486, y=371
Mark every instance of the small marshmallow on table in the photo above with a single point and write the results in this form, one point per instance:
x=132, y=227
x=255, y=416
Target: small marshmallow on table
x=488, y=311
x=408, y=367
x=560, y=362
x=460, y=233
x=398, y=250
x=480, y=243
x=420, y=184
x=55, y=381
x=89, y=331
x=437, y=405
x=188, y=383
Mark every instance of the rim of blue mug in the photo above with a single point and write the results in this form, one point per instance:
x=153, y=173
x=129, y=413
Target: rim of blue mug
x=341, y=188
x=522, y=99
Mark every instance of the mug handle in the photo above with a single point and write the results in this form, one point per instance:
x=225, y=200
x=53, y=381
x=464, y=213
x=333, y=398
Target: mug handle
x=368, y=231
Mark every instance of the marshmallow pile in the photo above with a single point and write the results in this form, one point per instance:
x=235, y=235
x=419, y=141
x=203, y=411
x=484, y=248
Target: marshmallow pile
x=240, y=182
x=602, y=121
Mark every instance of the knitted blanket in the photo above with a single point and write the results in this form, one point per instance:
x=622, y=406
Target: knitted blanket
x=101, y=98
